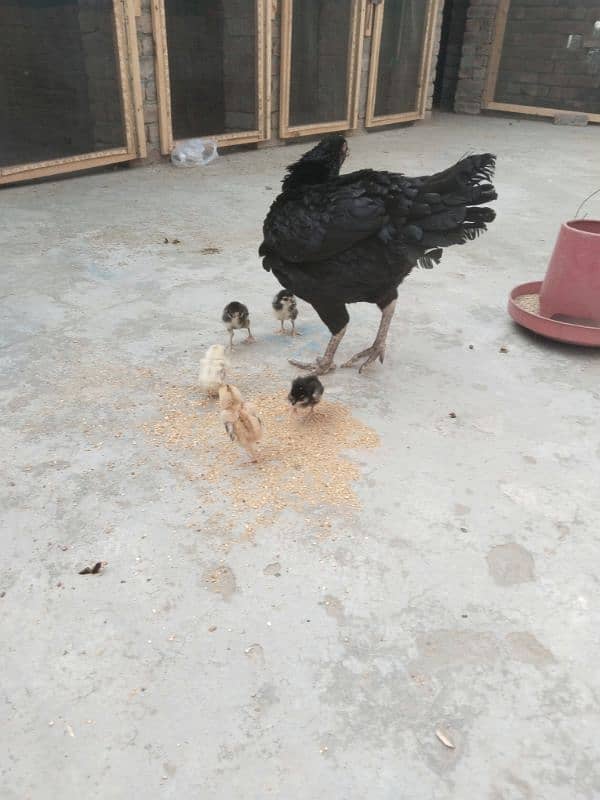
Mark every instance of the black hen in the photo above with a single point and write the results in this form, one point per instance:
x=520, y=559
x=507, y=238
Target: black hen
x=335, y=239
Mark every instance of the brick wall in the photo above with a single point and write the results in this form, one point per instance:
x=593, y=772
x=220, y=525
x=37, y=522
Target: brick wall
x=146, y=51
x=536, y=68
x=477, y=41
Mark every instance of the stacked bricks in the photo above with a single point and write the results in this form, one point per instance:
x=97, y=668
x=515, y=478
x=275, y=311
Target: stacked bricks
x=479, y=31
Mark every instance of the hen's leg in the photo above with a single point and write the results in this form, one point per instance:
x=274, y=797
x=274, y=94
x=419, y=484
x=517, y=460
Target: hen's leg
x=325, y=363
x=377, y=349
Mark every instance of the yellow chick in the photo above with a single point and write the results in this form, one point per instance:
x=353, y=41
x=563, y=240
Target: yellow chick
x=213, y=370
x=240, y=419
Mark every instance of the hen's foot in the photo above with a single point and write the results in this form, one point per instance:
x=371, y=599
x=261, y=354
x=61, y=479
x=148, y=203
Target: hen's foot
x=318, y=367
x=370, y=355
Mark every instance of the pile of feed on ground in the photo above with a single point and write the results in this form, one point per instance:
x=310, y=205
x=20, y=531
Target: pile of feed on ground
x=303, y=462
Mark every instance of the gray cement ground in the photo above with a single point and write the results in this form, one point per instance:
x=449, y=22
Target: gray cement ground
x=464, y=594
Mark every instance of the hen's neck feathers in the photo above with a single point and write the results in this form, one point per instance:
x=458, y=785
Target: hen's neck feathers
x=309, y=172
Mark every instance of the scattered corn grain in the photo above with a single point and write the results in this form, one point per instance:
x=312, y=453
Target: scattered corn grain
x=302, y=462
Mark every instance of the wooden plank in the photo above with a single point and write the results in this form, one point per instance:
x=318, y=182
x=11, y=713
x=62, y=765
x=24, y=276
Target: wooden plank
x=136, y=79
x=317, y=127
x=285, y=67
x=390, y=119
x=374, y=64
x=161, y=69
x=45, y=169
x=368, y=25
x=491, y=78
x=427, y=56
x=231, y=139
x=266, y=75
x=65, y=160
x=355, y=63
x=536, y=111
x=123, y=74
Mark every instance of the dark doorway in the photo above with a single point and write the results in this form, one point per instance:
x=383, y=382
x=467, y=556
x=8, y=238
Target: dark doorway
x=451, y=44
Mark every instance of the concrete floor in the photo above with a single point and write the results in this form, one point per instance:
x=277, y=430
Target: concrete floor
x=463, y=596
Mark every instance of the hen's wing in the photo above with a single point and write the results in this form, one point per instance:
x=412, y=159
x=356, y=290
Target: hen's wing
x=323, y=220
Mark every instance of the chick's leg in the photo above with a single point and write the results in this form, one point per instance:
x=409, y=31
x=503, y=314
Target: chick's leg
x=249, y=338
x=253, y=452
x=231, y=338
x=325, y=363
x=294, y=331
x=377, y=349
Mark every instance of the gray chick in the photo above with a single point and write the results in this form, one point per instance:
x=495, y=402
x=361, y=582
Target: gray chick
x=285, y=307
x=236, y=316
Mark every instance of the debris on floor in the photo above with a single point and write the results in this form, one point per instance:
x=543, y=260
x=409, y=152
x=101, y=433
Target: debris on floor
x=445, y=739
x=98, y=567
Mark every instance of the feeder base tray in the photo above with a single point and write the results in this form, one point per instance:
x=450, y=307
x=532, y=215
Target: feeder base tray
x=525, y=315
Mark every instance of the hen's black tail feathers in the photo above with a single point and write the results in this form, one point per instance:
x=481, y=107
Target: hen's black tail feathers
x=447, y=210
x=469, y=171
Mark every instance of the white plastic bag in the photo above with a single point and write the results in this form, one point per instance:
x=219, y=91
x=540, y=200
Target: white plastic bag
x=194, y=152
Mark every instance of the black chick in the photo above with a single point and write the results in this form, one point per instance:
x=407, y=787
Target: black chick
x=236, y=316
x=336, y=239
x=285, y=307
x=306, y=392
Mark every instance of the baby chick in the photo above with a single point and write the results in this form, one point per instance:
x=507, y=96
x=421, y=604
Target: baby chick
x=240, y=419
x=236, y=316
x=213, y=368
x=285, y=307
x=306, y=392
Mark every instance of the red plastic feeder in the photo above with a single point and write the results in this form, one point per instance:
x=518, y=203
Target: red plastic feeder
x=566, y=305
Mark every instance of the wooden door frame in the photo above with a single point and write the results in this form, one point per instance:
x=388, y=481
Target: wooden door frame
x=425, y=68
x=287, y=131
x=491, y=80
x=264, y=12
x=128, y=73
